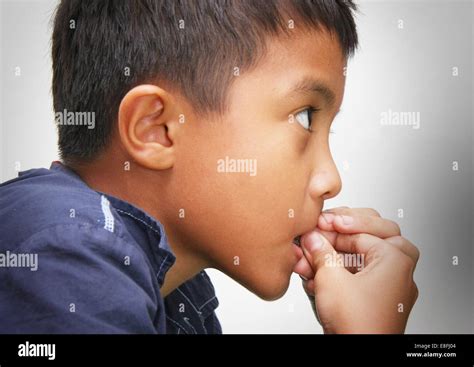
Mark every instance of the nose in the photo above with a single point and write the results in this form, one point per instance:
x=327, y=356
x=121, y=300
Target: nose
x=325, y=182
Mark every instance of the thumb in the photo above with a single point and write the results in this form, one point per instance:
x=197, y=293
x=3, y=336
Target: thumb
x=319, y=252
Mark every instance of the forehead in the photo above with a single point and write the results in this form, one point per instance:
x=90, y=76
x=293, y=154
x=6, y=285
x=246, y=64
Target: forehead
x=293, y=61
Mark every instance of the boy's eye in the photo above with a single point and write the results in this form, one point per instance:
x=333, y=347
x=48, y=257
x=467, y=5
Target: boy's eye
x=304, y=117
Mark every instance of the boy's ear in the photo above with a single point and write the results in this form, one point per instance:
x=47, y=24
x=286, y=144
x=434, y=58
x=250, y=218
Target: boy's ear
x=147, y=126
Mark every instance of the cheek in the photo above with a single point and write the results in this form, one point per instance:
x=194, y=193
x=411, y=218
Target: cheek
x=256, y=183
x=240, y=216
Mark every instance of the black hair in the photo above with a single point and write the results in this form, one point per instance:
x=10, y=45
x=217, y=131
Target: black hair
x=103, y=48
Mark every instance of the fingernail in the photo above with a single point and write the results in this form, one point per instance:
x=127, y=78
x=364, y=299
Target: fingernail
x=329, y=218
x=346, y=220
x=303, y=278
x=313, y=242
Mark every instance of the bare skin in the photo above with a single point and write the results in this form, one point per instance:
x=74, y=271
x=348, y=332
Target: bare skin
x=240, y=224
x=375, y=299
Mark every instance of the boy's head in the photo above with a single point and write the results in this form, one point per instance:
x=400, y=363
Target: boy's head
x=213, y=114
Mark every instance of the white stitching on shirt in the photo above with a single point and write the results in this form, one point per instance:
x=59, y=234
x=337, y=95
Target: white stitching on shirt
x=153, y=229
x=161, y=265
x=186, y=319
x=195, y=309
x=176, y=323
x=140, y=220
x=108, y=217
x=192, y=304
x=205, y=303
x=198, y=311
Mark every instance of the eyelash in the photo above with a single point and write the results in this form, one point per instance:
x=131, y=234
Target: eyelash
x=312, y=110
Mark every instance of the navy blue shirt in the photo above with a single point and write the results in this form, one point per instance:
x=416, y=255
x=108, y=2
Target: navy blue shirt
x=73, y=260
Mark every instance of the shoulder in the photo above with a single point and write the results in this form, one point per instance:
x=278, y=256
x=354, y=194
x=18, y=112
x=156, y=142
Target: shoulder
x=43, y=199
x=67, y=262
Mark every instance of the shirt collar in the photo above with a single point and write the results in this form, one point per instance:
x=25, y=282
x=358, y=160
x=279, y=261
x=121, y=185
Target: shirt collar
x=137, y=220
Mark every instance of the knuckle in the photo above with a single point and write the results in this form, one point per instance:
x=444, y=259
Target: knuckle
x=416, y=251
x=396, y=226
x=397, y=241
x=405, y=246
x=389, y=249
x=410, y=248
x=403, y=261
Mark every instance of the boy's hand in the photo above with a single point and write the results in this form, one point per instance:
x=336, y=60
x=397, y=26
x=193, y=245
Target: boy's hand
x=344, y=220
x=376, y=299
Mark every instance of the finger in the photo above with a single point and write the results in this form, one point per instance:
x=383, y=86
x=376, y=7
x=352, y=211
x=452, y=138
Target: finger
x=376, y=226
x=330, y=235
x=405, y=246
x=332, y=238
x=352, y=263
x=308, y=286
x=337, y=209
x=304, y=269
x=354, y=223
x=344, y=210
x=318, y=250
x=327, y=218
x=359, y=243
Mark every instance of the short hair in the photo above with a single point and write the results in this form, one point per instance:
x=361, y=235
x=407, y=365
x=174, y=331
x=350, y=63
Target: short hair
x=103, y=48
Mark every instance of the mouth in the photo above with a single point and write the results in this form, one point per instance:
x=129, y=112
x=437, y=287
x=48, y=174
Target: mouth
x=297, y=240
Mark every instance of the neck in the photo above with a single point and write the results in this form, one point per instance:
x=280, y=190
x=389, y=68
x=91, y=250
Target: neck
x=106, y=178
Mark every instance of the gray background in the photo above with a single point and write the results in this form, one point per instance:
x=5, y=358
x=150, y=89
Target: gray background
x=384, y=167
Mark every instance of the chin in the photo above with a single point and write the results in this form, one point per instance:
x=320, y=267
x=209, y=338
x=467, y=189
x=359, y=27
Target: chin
x=270, y=289
x=267, y=283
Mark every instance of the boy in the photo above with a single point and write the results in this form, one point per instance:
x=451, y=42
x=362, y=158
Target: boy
x=207, y=146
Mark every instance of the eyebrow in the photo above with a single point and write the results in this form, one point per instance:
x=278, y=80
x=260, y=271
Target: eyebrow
x=312, y=86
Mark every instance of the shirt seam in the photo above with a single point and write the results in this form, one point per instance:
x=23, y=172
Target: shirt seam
x=22, y=245
x=140, y=220
x=78, y=225
x=207, y=302
x=176, y=323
